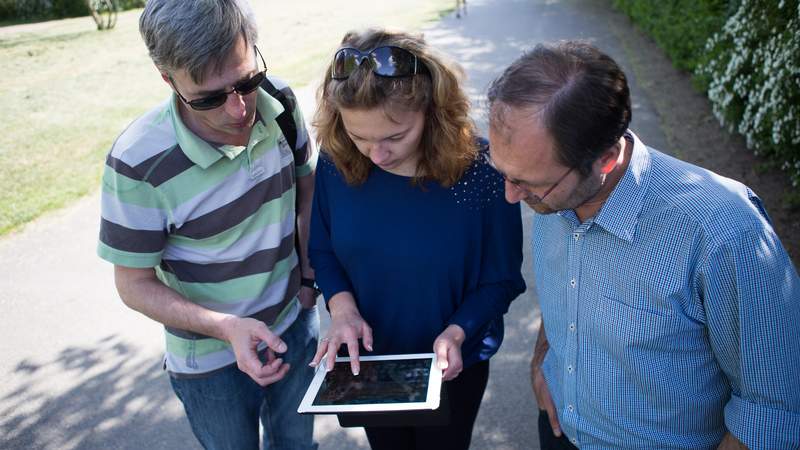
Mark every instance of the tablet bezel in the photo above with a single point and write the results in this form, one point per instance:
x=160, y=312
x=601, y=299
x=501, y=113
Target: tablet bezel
x=431, y=402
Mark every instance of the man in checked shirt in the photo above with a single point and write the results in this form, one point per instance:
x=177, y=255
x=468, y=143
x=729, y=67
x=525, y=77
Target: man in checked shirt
x=671, y=311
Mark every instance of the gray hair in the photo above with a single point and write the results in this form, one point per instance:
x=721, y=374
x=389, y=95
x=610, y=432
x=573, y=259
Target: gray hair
x=195, y=35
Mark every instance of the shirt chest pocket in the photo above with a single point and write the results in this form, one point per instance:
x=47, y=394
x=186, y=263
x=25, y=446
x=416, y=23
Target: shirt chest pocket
x=633, y=322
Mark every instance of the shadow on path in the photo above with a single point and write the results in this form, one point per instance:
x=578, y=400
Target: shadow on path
x=122, y=401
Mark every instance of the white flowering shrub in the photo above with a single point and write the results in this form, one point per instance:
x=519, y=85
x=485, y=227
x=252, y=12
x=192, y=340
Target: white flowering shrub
x=753, y=74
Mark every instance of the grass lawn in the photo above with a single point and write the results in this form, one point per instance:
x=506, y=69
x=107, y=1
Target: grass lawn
x=68, y=90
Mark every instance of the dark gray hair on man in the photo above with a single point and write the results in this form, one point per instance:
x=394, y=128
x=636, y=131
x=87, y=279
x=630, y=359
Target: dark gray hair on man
x=195, y=35
x=578, y=92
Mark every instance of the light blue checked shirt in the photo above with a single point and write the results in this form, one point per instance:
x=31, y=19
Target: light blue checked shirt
x=673, y=315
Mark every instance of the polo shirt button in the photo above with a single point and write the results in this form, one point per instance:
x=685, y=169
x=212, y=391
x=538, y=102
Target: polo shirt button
x=572, y=282
x=576, y=236
x=574, y=441
x=570, y=408
x=569, y=369
x=256, y=172
x=572, y=327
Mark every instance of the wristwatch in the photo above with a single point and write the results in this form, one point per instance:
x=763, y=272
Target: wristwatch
x=311, y=283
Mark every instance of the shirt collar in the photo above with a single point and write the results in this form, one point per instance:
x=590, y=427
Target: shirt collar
x=620, y=213
x=205, y=153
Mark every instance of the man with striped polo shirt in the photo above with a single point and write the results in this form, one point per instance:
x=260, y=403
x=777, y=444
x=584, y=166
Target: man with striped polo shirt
x=205, y=209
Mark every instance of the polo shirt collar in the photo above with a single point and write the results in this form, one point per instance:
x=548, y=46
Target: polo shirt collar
x=620, y=213
x=205, y=153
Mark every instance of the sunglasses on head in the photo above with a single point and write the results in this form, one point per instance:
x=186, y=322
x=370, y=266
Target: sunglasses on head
x=386, y=61
x=216, y=100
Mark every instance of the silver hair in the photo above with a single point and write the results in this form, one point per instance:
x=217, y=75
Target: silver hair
x=195, y=35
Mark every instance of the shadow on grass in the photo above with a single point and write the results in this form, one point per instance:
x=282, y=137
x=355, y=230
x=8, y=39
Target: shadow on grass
x=12, y=22
x=100, y=396
x=52, y=39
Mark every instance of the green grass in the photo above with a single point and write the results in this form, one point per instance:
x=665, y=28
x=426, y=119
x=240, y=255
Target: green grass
x=67, y=90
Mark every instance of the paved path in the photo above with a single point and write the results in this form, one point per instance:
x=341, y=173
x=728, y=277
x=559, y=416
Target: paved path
x=80, y=370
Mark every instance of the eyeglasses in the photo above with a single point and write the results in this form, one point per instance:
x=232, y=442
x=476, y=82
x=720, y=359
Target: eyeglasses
x=216, y=100
x=532, y=198
x=387, y=61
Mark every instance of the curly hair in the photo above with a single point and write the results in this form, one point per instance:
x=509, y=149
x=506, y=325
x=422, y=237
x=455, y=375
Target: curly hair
x=447, y=145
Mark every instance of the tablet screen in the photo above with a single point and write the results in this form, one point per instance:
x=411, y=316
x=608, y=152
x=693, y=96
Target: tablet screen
x=398, y=381
x=385, y=383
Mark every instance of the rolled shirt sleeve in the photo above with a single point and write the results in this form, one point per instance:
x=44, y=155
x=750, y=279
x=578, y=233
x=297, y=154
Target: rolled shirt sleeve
x=751, y=295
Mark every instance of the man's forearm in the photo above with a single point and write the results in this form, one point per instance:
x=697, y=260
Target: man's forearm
x=142, y=291
x=539, y=351
x=540, y=348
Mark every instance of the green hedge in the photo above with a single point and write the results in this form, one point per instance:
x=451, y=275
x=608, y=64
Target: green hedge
x=7, y=9
x=746, y=55
x=680, y=27
x=22, y=10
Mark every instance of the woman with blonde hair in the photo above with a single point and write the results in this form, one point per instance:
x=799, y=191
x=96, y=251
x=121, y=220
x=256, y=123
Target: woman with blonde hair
x=412, y=242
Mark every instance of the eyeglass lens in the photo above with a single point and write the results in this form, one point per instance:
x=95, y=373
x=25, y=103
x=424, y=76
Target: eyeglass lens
x=243, y=88
x=216, y=100
x=532, y=198
x=386, y=61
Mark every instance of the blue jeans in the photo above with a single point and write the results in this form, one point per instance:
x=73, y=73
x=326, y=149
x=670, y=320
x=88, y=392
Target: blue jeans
x=224, y=408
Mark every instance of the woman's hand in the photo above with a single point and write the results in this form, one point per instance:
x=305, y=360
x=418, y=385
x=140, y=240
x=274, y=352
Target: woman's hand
x=448, y=351
x=347, y=326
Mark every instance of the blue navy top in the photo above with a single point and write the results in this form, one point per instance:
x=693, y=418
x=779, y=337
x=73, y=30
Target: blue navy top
x=418, y=258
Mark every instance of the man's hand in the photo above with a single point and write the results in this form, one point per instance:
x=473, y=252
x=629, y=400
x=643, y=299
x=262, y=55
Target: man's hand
x=447, y=347
x=244, y=334
x=540, y=390
x=347, y=326
x=141, y=290
x=543, y=398
x=729, y=442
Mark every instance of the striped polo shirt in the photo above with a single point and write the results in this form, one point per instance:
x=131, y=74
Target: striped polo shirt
x=217, y=222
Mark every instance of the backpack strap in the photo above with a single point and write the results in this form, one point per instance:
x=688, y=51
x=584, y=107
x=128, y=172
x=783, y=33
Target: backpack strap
x=285, y=119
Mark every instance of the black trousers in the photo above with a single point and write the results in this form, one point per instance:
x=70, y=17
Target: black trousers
x=549, y=441
x=465, y=394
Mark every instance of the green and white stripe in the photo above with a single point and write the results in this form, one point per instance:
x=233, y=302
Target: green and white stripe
x=217, y=223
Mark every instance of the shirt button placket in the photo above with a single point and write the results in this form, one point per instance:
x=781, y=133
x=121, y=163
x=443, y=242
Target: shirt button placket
x=575, y=242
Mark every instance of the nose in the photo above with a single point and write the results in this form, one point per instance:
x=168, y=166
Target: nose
x=378, y=154
x=235, y=105
x=514, y=193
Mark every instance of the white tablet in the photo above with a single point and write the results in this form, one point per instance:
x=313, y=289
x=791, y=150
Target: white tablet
x=385, y=383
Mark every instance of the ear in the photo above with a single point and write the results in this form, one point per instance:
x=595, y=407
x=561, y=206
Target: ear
x=609, y=159
x=166, y=79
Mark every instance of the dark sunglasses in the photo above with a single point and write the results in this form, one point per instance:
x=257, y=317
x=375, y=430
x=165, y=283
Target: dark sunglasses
x=216, y=100
x=386, y=61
